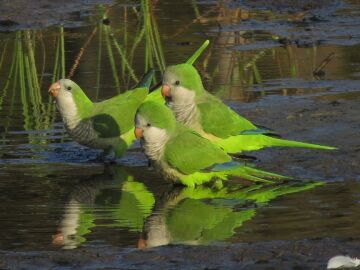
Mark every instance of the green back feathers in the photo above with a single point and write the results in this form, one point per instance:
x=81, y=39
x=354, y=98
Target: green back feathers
x=83, y=104
x=115, y=116
x=187, y=75
x=189, y=152
x=219, y=119
x=158, y=115
x=215, y=117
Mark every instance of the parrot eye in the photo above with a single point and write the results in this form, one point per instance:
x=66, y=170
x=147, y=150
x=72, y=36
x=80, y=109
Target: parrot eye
x=148, y=125
x=177, y=82
x=68, y=88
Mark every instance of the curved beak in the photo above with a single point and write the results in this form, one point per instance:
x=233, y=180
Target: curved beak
x=138, y=133
x=141, y=244
x=165, y=90
x=58, y=239
x=54, y=89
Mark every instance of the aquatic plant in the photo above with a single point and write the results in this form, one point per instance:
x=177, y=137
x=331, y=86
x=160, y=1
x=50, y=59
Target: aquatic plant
x=25, y=79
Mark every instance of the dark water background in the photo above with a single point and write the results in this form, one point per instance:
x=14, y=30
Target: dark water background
x=258, y=54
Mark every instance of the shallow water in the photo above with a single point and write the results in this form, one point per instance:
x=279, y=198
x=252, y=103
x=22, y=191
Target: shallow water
x=54, y=195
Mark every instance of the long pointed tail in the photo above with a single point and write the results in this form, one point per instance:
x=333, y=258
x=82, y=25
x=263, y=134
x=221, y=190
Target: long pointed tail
x=288, y=143
x=146, y=80
x=239, y=143
x=246, y=172
x=232, y=168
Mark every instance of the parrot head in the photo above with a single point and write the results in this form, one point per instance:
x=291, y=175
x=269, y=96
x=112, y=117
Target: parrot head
x=181, y=84
x=153, y=120
x=154, y=125
x=70, y=98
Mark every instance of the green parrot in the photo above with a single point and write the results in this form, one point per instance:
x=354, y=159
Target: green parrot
x=183, y=156
x=203, y=215
x=106, y=125
x=123, y=201
x=196, y=108
x=156, y=95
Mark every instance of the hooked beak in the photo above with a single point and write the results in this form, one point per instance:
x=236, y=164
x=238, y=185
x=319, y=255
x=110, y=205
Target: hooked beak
x=54, y=89
x=141, y=244
x=58, y=239
x=138, y=133
x=165, y=90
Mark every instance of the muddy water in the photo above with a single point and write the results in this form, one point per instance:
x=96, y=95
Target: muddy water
x=261, y=61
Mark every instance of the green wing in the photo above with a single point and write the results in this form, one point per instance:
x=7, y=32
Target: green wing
x=189, y=152
x=219, y=119
x=115, y=116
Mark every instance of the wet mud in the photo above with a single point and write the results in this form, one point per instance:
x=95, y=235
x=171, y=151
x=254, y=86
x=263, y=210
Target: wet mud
x=285, y=255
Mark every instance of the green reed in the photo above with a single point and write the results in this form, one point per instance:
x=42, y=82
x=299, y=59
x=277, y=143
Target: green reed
x=153, y=47
x=3, y=54
x=122, y=43
x=10, y=75
x=98, y=64
x=107, y=33
x=25, y=79
x=27, y=63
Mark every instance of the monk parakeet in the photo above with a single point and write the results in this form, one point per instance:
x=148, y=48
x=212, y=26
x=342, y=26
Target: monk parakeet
x=123, y=201
x=196, y=108
x=181, y=155
x=156, y=94
x=203, y=215
x=106, y=125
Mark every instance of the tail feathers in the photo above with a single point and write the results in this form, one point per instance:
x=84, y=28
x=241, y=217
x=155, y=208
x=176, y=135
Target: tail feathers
x=146, y=80
x=287, y=143
x=256, y=175
x=240, y=143
x=264, y=195
x=259, y=131
x=264, y=127
x=247, y=172
x=223, y=171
